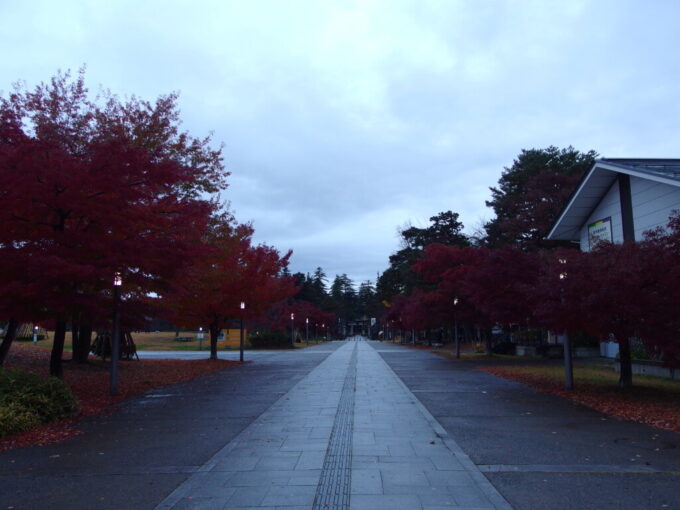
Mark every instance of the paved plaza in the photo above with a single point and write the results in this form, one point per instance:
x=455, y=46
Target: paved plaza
x=349, y=435
x=348, y=425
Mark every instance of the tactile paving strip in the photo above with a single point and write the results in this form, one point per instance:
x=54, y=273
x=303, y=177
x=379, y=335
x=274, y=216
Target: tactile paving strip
x=333, y=491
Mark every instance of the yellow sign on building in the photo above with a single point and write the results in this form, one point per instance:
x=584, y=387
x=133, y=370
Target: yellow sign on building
x=231, y=338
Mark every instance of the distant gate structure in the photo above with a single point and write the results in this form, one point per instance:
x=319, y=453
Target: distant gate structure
x=362, y=326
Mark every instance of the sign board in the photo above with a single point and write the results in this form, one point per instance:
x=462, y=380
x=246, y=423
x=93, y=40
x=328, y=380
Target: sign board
x=600, y=231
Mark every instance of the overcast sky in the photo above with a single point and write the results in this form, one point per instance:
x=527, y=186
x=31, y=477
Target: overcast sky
x=343, y=121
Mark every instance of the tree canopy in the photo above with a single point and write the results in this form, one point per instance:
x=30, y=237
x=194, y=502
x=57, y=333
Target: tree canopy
x=399, y=278
x=531, y=193
x=91, y=189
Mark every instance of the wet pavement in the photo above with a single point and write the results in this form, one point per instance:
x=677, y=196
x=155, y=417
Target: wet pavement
x=349, y=435
x=349, y=425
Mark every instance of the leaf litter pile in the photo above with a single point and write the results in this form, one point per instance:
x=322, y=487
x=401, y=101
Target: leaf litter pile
x=651, y=401
x=90, y=385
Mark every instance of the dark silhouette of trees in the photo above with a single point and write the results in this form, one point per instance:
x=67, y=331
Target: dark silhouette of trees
x=399, y=278
x=530, y=195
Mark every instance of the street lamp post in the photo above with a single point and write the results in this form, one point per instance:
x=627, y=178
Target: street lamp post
x=455, y=327
x=307, y=330
x=243, y=307
x=200, y=338
x=292, y=329
x=35, y=335
x=568, y=365
x=115, y=340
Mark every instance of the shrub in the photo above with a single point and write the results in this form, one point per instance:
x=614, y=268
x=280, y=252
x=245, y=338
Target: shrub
x=265, y=338
x=553, y=351
x=27, y=400
x=15, y=418
x=581, y=339
x=504, y=348
x=29, y=338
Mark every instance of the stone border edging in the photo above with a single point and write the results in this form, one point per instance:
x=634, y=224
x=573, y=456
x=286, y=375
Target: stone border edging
x=484, y=484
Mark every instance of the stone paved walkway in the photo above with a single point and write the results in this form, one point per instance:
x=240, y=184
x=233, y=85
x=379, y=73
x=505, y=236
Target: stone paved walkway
x=350, y=435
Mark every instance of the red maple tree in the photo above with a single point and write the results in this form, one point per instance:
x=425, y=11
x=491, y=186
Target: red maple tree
x=230, y=271
x=89, y=191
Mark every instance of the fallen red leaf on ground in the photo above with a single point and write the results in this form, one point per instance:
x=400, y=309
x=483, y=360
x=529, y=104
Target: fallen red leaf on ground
x=90, y=384
x=641, y=404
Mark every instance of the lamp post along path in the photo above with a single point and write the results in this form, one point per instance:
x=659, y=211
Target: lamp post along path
x=292, y=330
x=568, y=362
x=115, y=336
x=455, y=327
x=243, y=307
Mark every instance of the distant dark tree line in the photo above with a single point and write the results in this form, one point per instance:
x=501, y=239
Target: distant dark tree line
x=341, y=298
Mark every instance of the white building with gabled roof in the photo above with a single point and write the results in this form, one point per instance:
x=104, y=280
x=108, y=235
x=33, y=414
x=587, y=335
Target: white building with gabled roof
x=618, y=200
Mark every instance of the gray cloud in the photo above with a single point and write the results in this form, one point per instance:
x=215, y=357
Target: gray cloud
x=343, y=120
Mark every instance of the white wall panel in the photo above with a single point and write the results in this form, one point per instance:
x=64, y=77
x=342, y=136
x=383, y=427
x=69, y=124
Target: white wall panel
x=653, y=203
x=608, y=207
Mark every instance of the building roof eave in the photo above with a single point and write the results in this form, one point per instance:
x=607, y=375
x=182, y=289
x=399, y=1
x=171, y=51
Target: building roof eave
x=592, y=188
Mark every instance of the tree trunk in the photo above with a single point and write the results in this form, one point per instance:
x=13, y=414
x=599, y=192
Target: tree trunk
x=214, y=333
x=487, y=340
x=10, y=335
x=626, y=374
x=82, y=352
x=58, y=349
x=75, y=337
x=568, y=364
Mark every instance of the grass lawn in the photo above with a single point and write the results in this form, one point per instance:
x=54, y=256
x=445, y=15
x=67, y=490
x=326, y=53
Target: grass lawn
x=153, y=341
x=474, y=356
x=652, y=400
x=90, y=384
x=468, y=352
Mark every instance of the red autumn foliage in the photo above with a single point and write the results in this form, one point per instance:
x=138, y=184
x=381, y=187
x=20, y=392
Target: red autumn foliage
x=492, y=286
x=501, y=286
x=89, y=190
x=619, y=291
x=421, y=310
x=79, y=207
x=89, y=384
x=210, y=291
x=558, y=294
x=450, y=269
x=279, y=317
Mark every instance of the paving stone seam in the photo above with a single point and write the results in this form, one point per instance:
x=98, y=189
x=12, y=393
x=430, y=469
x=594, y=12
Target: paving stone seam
x=483, y=483
x=334, y=489
x=576, y=468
